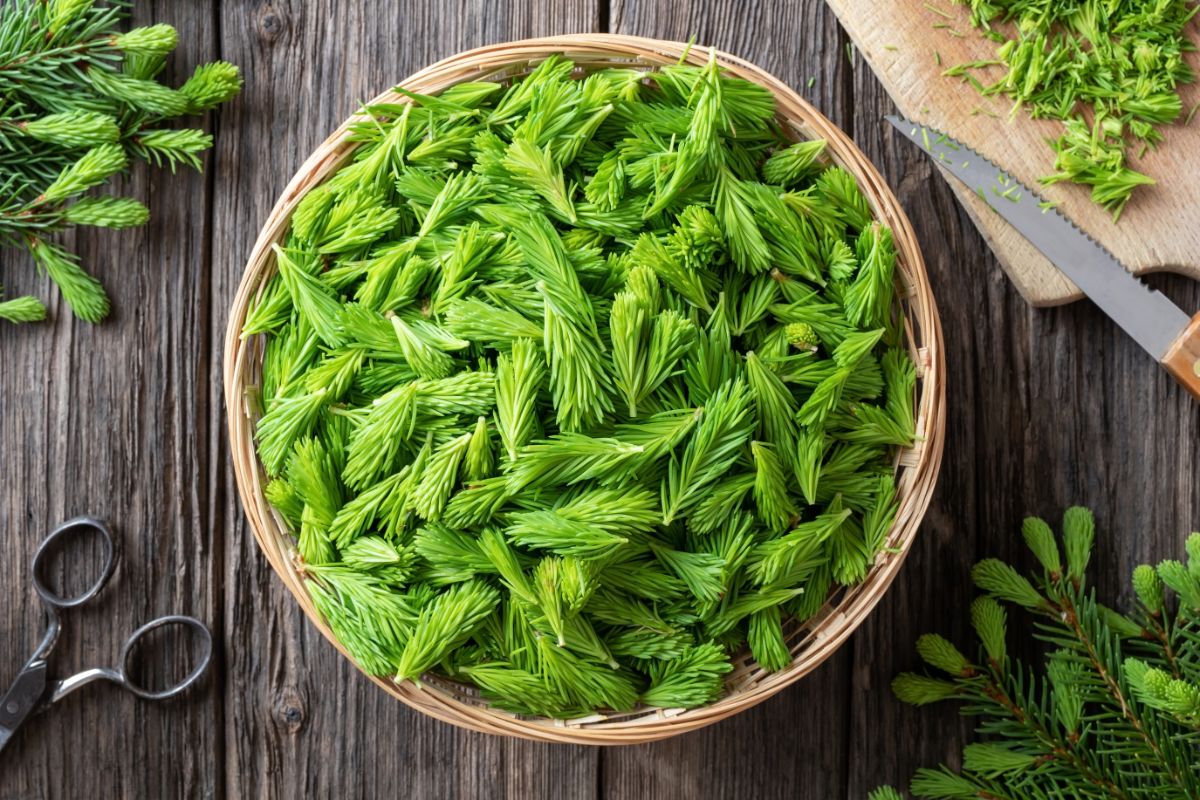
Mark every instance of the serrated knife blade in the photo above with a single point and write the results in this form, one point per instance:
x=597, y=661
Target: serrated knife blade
x=1154, y=322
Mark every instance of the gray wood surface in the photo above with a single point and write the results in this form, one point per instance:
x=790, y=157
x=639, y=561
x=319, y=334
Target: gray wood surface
x=124, y=420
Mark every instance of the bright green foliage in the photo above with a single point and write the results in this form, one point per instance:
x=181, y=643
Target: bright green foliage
x=869, y=297
x=1116, y=711
x=22, y=309
x=83, y=293
x=1111, y=70
x=553, y=347
x=765, y=636
x=692, y=679
x=1005, y=583
x=922, y=689
x=445, y=623
x=771, y=489
x=791, y=165
x=712, y=449
x=1040, y=539
x=939, y=652
x=78, y=102
x=1149, y=588
x=519, y=375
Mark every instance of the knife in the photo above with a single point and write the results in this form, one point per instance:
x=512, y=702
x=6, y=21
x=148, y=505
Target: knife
x=1154, y=322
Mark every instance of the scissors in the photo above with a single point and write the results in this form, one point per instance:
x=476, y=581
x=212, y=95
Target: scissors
x=33, y=690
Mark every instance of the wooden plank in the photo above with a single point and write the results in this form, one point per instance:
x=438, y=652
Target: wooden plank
x=1048, y=408
x=301, y=720
x=112, y=420
x=793, y=745
x=1155, y=232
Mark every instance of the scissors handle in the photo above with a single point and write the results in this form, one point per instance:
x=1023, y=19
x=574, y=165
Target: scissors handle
x=120, y=674
x=78, y=527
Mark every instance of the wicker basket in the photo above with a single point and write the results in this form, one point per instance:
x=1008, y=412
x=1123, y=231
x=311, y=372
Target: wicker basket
x=811, y=642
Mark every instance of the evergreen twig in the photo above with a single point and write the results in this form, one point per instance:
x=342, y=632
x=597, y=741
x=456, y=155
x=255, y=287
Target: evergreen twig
x=1116, y=713
x=78, y=102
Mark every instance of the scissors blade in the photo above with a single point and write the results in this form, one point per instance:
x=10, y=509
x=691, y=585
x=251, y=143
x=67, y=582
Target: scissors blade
x=22, y=698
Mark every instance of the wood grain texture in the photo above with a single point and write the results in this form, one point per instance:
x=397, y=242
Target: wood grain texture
x=112, y=420
x=1156, y=231
x=1048, y=408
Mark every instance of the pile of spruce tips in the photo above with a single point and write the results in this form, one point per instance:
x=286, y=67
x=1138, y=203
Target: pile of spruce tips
x=574, y=386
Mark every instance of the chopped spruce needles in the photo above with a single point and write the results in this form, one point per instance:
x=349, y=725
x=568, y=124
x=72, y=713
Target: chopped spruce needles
x=575, y=386
x=1109, y=69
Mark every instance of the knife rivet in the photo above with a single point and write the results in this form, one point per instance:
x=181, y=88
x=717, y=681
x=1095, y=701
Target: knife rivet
x=12, y=707
x=1196, y=368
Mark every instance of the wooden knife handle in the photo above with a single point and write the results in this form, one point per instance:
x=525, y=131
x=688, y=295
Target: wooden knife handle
x=1183, y=359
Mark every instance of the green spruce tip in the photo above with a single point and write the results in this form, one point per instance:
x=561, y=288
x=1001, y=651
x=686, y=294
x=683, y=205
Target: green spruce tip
x=81, y=103
x=1116, y=710
x=21, y=309
x=553, y=407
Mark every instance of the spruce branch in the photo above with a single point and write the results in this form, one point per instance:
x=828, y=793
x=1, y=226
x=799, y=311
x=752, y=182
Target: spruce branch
x=692, y=679
x=1098, y=721
x=80, y=103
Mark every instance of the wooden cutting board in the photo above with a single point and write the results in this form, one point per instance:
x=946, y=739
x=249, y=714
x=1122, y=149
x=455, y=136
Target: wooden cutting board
x=1160, y=227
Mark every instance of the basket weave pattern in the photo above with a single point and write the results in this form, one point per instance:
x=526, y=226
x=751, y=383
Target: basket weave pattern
x=810, y=643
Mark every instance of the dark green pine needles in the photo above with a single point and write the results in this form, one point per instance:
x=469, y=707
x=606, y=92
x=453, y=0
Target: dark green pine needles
x=79, y=101
x=574, y=386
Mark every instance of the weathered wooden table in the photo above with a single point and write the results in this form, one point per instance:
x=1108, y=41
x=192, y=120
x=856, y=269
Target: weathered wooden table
x=125, y=420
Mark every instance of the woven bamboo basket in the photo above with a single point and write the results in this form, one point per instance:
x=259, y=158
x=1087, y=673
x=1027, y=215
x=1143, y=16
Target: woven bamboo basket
x=916, y=467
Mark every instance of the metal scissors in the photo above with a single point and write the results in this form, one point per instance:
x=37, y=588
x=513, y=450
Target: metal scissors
x=33, y=690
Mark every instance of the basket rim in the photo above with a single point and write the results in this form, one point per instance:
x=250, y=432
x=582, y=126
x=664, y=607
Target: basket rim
x=917, y=467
